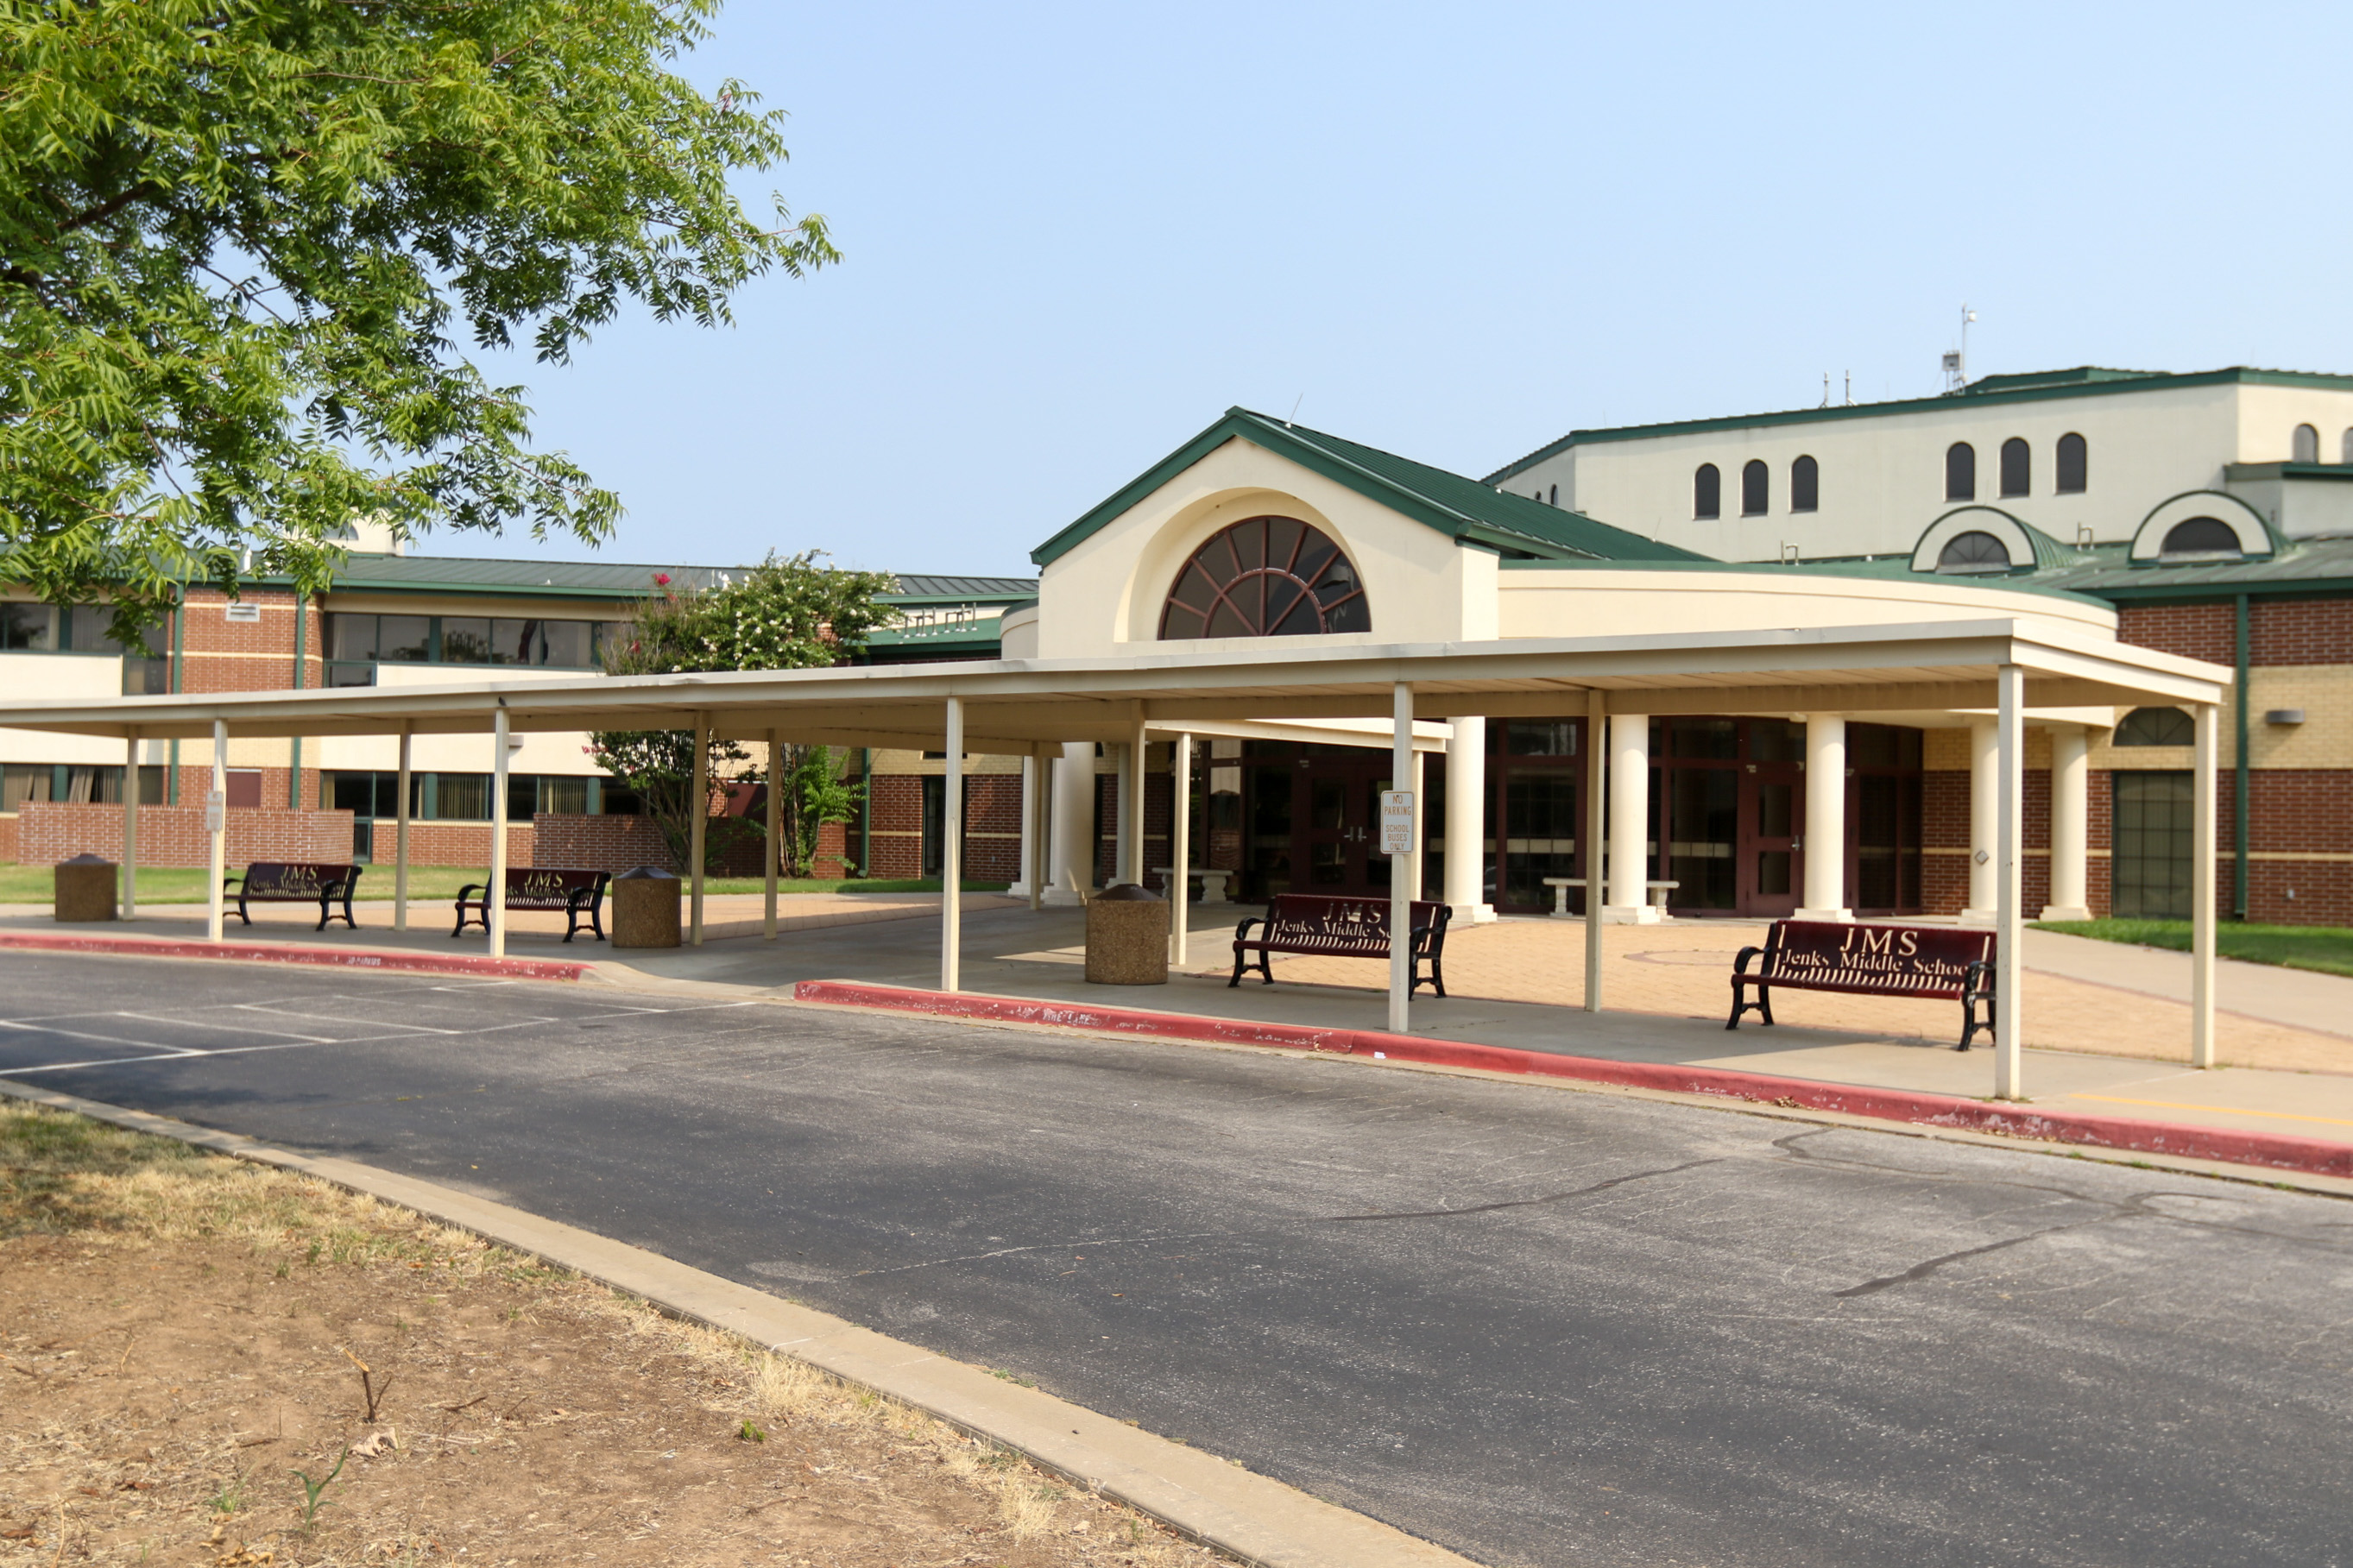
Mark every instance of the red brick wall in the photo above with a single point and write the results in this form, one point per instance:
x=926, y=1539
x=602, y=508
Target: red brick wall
x=174, y=835
x=992, y=827
x=1159, y=801
x=2300, y=631
x=2194, y=631
x=8, y=837
x=896, y=840
x=596, y=843
x=1944, y=825
x=222, y=655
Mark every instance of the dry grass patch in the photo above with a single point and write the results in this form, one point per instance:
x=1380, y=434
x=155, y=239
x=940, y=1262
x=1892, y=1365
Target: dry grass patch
x=203, y=1361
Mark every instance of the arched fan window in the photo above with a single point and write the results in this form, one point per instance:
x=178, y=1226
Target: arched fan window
x=2201, y=539
x=2156, y=727
x=1266, y=577
x=1976, y=551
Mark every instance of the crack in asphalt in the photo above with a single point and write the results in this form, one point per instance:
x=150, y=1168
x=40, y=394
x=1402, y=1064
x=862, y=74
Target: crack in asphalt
x=1601, y=1187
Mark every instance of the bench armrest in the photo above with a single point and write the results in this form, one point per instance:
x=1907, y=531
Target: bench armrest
x=1740, y=964
x=1241, y=931
x=581, y=897
x=472, y=887
x=228, y=882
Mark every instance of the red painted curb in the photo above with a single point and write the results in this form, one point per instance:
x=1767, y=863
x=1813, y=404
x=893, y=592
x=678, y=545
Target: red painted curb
x=2306, y=1154
x=280, y=952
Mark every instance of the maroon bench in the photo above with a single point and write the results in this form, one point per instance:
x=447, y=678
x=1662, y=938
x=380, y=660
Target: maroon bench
x=1936, y=963
x=296, y=882
x=579, y=894
x=1324, y=926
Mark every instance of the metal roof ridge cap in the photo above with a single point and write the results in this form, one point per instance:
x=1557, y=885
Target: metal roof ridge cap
x=1464, y=517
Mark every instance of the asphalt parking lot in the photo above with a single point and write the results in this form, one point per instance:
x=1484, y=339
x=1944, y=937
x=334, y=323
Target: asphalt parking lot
x=1542, y=1327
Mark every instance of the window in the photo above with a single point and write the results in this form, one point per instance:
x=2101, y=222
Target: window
x=2074, y=464
x=2017, y=467
x=1268, y=576
x=1805, y=485
x=2155, y=822
x=2345, y=447
x=2201, y=539
x=27, y=628
x=2156, y=727
x=243, y=786
x=1556, y=495
x=1707, y=493
x=1756, y=488
x=356, y=644
x=1976, y=551
x=2304, y=446
x=1961, y=471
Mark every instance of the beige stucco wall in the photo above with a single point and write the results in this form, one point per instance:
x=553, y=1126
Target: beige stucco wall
x=1566, y=602
x=1106, y=594
x=539, y=754
x=1883, y=477
x=65, y=676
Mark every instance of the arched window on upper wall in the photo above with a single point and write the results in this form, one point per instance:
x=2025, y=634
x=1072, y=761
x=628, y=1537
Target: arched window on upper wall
x=2345, y=448
x=2017, y=466
x=2074, y=464
x=2305, y=446
x=1961, y=471
x=2156, y=727
x=1556, y=495
x=1976, y=551
x=1805, y=485
x=1266, y=577
x=1707, y=492
x=2201, y=539
x=1756, y=487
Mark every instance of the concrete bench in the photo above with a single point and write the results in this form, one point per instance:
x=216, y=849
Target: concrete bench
x=1561, y=884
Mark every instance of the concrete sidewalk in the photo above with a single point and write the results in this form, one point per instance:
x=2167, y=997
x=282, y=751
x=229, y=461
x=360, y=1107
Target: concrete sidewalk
x=2107, y=1024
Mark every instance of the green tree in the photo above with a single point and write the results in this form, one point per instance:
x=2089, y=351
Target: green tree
x=784, y=613
x=240, y=240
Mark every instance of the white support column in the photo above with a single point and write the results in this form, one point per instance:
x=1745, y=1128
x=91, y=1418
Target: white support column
x=1132, y=812
x=1180, y=842
x=1037, y=822
x=494, y=897
x=1123, y=827
x=400, y=833
x=1073, y=842
x=1400, y=898
x=1825, y=846
x=1597, y=722
x=1984, y=821
x=1629, y=822
x=130, y=889
x=774, y=824
x=698, y=827
x=952, y=852
x=2008, y=925
x=1415, y=780
x=2202, y=889
x=1024, y=872
x=2071, y=824
x=217, y=826
x=1465, y=862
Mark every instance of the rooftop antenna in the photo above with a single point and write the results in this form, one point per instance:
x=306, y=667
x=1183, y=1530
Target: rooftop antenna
x=1826, y=389
x=1294, y=410
x=1957, y=364
x=1850, y=389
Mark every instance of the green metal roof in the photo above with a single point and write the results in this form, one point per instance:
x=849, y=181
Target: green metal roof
x=2084, y=380
x=1462, y=508
x=2300, y=566
x=617, y=579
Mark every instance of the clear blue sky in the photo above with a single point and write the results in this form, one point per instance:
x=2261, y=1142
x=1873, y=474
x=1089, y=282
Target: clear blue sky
x=1074, y=235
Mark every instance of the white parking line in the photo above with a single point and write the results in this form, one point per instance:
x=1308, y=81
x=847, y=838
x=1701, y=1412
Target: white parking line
x=163, y=1053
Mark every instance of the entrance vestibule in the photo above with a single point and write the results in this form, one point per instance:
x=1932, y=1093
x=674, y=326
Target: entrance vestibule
x=1726, y=805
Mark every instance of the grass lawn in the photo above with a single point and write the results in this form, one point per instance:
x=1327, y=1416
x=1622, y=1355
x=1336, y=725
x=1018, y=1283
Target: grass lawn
x=2328, y=948
x=185, y=885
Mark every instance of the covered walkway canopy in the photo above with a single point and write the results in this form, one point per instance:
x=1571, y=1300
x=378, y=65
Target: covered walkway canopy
x=1023, y=707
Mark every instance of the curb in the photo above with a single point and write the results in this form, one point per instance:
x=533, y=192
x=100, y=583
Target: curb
x=2274, y=1151
x=287, y=952
x=1247, y=1515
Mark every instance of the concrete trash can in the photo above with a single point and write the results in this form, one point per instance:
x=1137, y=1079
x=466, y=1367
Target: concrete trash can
x=1127, y=937
x=85, y=888
x=645, y=908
